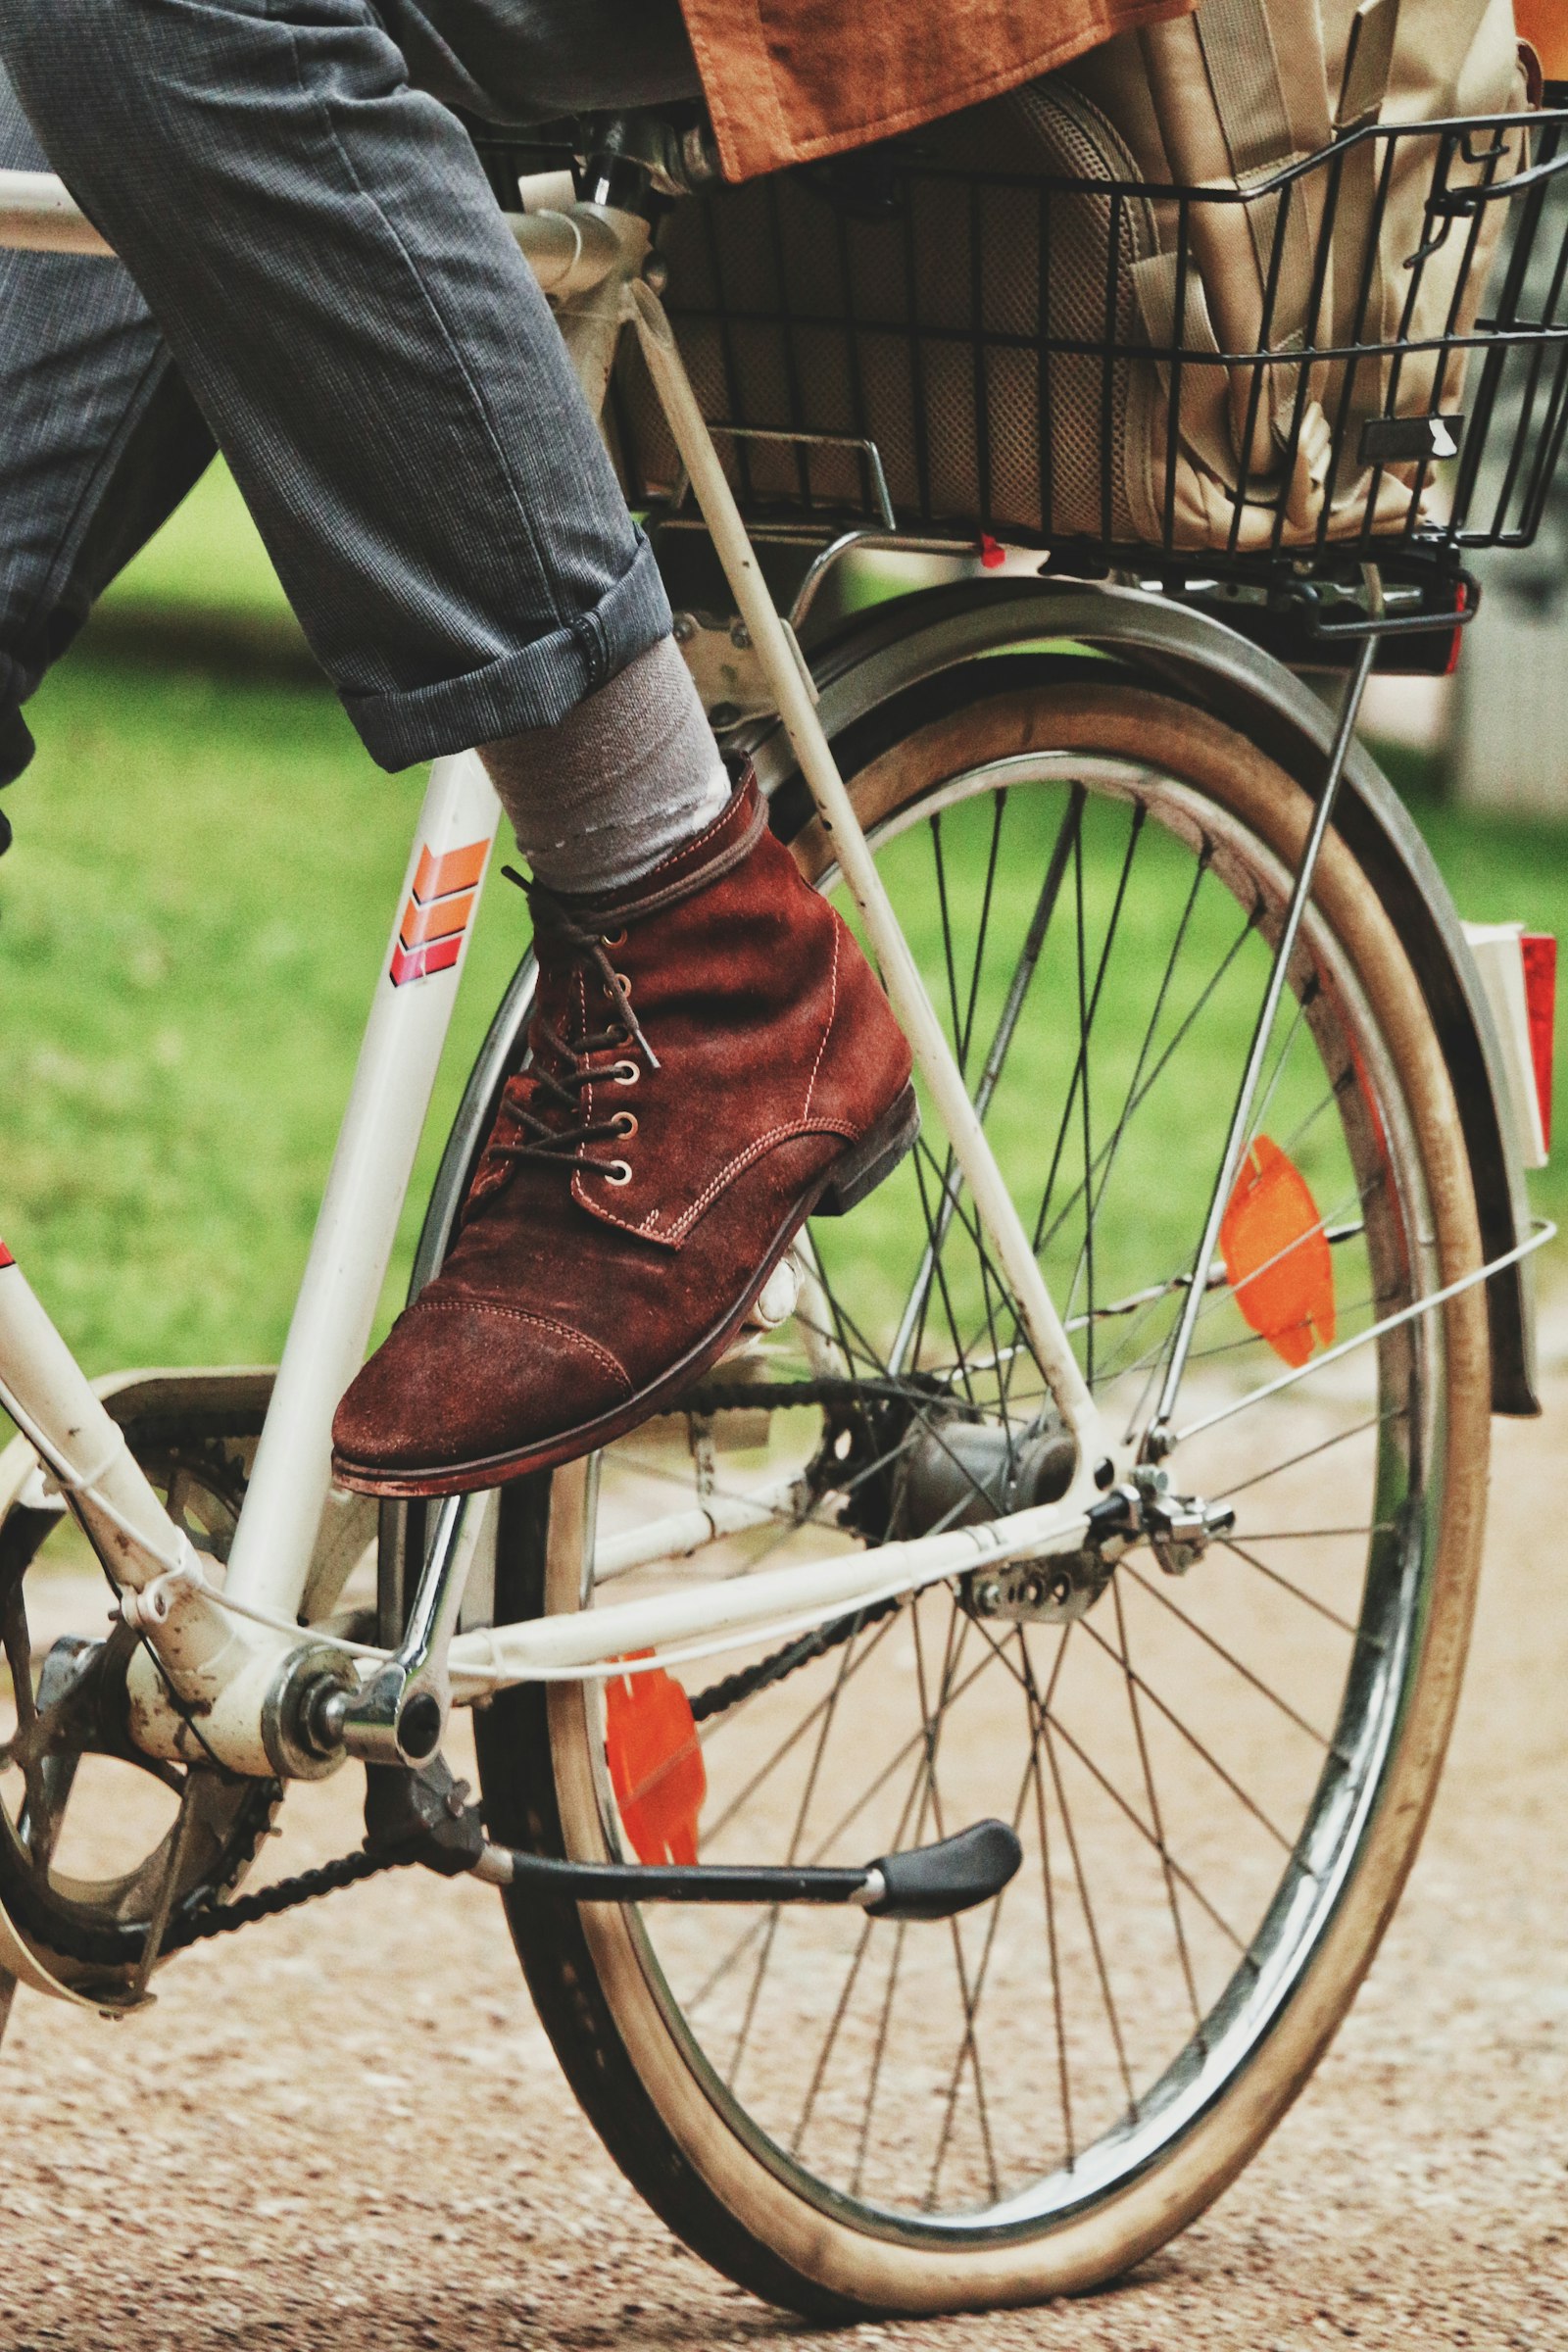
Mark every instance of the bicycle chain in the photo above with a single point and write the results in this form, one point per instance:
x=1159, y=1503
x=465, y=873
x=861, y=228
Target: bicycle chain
x=199, y=1926
x=721, y=1696
x=736, y=1396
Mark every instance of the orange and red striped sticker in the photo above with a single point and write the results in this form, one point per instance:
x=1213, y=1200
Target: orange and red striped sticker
x=436, y=917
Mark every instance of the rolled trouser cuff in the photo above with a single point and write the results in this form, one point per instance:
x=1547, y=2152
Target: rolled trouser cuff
x=532, y=686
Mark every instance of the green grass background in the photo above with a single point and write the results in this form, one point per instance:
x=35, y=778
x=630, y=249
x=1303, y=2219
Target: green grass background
x=191, y=923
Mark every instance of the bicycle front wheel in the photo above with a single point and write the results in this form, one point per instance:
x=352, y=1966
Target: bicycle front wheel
x=1218, y=1763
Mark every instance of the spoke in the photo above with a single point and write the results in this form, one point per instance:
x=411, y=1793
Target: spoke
x=971, y=2008
x=824, y=1844
x=957, y=1619
x=841, y=2009
x=940, y=1281
x=1190, y=1736
x=1265, y=1690
x=1112, y=1144
x=1357, y=1429
x=1315, y=1535
x=1086, y=1252
x=1184, y=1876
x=716, y=1828
x=1345, y=1624
x=1093, y=1200
x=1049, y=1233
x=988, y=1276
x=1088, y=1009
x=1154, y=1814
x=835, y=2026
x=1052, y=1945
x=914, y=1318
x=998, y=802
x=926, y=1740
x=1312, y=990
x=799, y=1831
x=1303, y=1127
x=1110, y=1150
x=940, y=863
x=1257, y=1339
x=1217, y=1287
x=1188, y=1021
x=1040, y=1707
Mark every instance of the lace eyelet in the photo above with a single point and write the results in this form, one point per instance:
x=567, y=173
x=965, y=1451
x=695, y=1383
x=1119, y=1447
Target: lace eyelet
x=619, y=939
x=624, y=1123
x=618, y=1172
x=625, y=1073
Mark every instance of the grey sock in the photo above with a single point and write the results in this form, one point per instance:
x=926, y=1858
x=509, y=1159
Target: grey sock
x=624, y=779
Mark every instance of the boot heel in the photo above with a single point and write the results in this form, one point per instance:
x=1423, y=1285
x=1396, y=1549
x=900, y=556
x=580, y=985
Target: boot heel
x=876, y=1154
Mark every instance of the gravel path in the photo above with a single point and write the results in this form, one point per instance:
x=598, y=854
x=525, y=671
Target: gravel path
x=346, y=2129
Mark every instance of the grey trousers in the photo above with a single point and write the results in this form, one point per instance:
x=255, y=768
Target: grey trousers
x=318, y=281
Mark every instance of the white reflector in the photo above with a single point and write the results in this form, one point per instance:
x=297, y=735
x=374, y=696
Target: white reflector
x=1518, y=972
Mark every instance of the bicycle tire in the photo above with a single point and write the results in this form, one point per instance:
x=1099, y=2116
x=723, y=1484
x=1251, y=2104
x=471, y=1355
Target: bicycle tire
x=714, y=2176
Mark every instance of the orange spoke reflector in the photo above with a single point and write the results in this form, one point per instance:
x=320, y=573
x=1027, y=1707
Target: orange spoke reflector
x=1277, y=1258
x=656, y=1764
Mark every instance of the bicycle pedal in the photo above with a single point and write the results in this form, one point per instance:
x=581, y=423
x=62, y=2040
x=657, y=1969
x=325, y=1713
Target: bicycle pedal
x=422, y=1816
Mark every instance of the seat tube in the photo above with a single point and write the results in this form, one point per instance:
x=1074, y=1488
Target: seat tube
x=372, y=1168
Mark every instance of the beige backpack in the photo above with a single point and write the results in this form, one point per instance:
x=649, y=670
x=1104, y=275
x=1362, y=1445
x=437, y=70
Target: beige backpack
x=1228, y=99
x=1030, y=359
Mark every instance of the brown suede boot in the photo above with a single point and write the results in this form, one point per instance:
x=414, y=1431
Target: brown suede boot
x=712, y=1061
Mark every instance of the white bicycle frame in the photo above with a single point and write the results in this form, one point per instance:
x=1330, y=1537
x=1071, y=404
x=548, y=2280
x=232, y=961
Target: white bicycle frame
x=221, y=1652
x=217, y=1657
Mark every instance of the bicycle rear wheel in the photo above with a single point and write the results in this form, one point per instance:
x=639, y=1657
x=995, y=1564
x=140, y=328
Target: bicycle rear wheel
x=1219, y=1776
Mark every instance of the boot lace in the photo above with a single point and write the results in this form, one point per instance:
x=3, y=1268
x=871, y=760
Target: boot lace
x=556, y=1076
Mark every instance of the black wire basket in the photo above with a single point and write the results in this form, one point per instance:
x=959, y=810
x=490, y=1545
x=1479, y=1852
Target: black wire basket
x=978, y=334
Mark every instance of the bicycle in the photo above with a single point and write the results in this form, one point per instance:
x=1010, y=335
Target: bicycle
x=1115, y=1471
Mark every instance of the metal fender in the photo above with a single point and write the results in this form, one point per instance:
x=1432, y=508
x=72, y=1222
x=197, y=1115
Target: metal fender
x=910, y=643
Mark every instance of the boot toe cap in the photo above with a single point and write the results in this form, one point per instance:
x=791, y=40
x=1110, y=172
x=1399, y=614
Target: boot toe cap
x=459, y=1381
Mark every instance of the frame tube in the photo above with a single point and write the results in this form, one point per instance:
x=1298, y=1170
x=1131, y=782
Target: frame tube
x=372, y=1168
x=1158, y=1443
x=778, y=1600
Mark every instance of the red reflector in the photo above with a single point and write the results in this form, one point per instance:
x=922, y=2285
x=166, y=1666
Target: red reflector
x=1277, y=1258
x=1539, y=953
x=1456, y=643
x=656, y=1764
x=991, y=554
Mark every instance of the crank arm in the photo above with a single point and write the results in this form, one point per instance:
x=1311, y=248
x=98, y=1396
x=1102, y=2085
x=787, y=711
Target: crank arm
x=929, y=1881
x=399, y=1716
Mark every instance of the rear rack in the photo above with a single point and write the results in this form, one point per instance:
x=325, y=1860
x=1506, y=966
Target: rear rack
x=909, y=336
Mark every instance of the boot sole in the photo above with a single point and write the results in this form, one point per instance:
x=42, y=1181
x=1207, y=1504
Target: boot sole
x=847, y=1183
